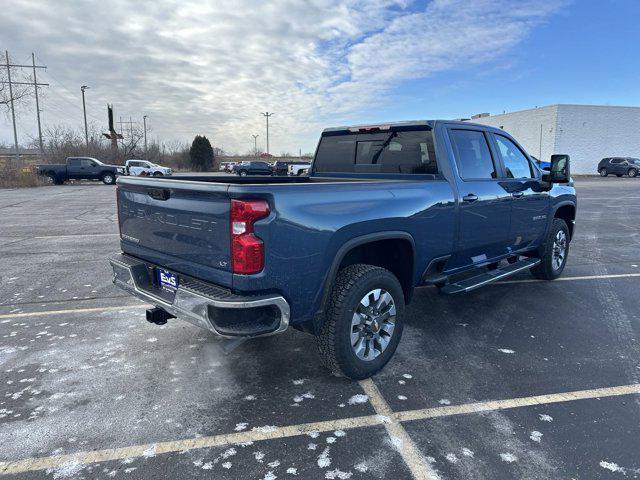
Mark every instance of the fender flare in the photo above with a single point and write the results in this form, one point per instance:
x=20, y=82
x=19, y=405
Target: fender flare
x=355, y=242
x=557, y=207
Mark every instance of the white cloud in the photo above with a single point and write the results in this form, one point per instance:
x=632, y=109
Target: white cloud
x=212, y=67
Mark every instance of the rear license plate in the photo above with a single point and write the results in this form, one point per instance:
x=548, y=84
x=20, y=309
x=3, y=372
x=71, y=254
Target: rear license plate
x=167, y=280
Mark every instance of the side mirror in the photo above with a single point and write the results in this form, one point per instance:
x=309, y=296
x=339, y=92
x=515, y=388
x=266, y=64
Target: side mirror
x=559, y=171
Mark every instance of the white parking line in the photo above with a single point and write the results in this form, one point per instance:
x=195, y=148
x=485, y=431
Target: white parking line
x=426, y=413
x=126, y=307
x=419, y=467
x=576, y=278
x=386, y=417
x=560, y=279
x=71, y=310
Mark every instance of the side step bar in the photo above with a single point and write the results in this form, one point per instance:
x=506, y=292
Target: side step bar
x=478, y=281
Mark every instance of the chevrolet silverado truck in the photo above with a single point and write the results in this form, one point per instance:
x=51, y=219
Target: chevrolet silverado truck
x=80, y=168
x=338, y=253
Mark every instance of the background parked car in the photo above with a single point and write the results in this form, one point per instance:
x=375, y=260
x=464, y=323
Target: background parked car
x=619, y=166
x=282, y=167
x=252, y=168
x=227, y=166
x=80, y=168
x=143, y=167
x=298, y=169
x=543, y=165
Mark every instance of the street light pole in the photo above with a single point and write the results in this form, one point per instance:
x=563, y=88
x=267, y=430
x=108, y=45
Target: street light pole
x=255, y=144
x=267, y=115
x=144, y=121
x=84, y=110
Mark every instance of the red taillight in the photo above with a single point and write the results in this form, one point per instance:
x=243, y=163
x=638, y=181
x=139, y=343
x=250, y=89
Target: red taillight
x=247, y=250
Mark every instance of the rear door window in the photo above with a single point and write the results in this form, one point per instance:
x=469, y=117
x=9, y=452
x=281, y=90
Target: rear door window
x=473, y=155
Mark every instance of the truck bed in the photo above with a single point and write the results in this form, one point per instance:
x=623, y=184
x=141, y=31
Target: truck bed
x=183, y=222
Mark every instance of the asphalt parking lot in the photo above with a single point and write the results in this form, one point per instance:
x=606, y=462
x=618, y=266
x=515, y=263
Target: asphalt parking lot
x=523, y=379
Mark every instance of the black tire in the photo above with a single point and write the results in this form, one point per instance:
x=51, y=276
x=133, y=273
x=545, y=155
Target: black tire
x=603, y=172
x=632, y=172
x=53, y=179
x=158, y=174
x=243, y=173
x=334, y=339
x=548, y=269
x=108, y=178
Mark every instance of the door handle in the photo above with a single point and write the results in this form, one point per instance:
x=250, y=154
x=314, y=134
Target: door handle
x=470, y=198
x=517, y=194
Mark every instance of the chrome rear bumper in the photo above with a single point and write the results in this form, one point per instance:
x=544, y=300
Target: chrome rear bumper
x=204, y=304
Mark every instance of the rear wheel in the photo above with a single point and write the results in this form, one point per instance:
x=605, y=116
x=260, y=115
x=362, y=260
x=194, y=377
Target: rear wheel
x=363, y=323
x=108, y=178
x=553, y=254
x=52, y=179
x=242, y=173
x=633, y=172
x=603, y=172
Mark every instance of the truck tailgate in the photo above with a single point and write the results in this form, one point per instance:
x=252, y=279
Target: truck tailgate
x=180, y=225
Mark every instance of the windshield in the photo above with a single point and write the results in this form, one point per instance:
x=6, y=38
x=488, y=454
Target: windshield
x=635, y=161
x=97, y=161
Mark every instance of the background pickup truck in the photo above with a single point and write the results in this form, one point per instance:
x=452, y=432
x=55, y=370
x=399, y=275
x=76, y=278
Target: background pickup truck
x=144, y=167
x=339, y=252
x=80, y=168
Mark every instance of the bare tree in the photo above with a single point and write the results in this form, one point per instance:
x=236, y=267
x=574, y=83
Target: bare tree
x=20, y=92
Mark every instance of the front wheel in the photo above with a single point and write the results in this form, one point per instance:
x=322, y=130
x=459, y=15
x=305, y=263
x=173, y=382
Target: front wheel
x=603, y=172
x=553, y=253
x=242, y=173
x=157, y=174
x=363, y=323
x=108, y=179
x=633, y=172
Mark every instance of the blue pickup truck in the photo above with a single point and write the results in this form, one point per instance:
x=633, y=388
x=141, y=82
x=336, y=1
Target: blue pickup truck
x=338, y=253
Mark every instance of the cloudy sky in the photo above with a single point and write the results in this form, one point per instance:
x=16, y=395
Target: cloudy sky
x=211, y=67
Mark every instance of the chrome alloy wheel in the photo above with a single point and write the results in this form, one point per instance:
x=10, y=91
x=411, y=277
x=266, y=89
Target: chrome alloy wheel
x=373, y=324
x=559, y=250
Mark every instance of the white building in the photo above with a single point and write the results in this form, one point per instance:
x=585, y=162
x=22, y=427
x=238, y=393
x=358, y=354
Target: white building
x=588, y=133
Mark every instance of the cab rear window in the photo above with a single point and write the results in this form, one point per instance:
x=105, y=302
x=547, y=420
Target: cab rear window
x=404, y=152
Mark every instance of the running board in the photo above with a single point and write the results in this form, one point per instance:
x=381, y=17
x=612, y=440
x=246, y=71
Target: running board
x=478, y=281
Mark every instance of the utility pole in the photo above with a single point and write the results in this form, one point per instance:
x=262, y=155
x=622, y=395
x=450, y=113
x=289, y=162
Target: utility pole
x=144, y=121
x=255, y=144
x=13, y=112
x=35, y=85
x=267, y=115
x=84, y=110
